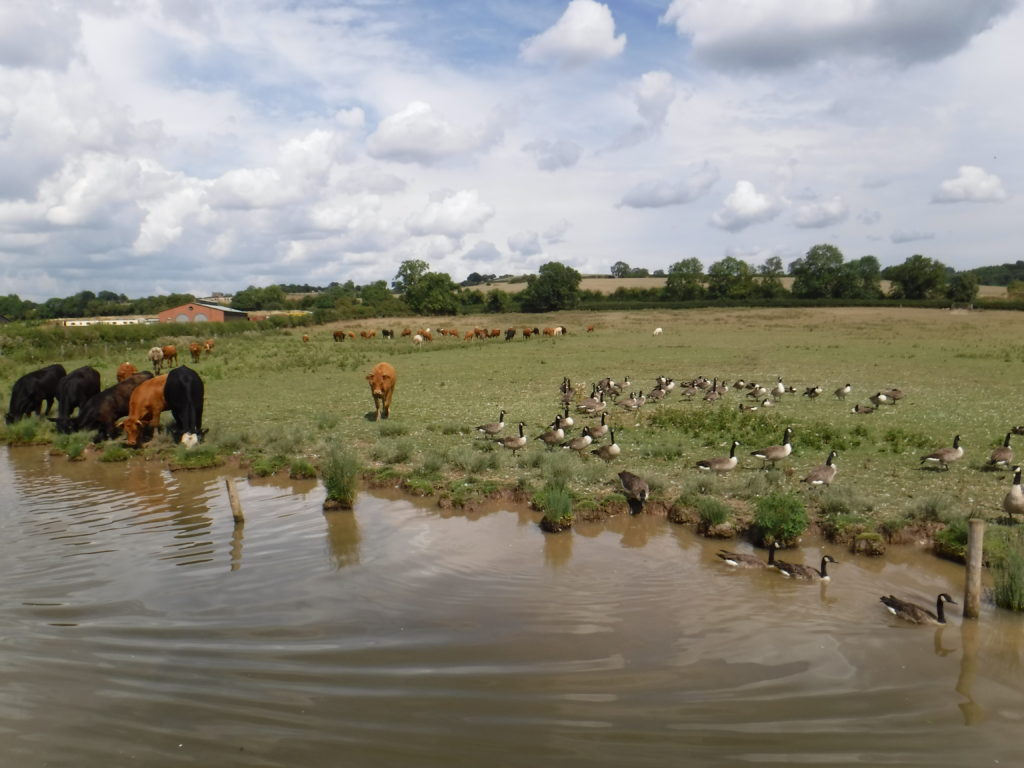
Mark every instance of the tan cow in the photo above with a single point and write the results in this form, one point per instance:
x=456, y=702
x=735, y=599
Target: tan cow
x=144, y=409
x=382, y=387
x=124, y=370
x=196, y=350
x=170, y=355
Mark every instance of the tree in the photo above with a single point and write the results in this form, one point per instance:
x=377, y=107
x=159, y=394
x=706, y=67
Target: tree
x=433, y=293
x=817, y=275
x=685, y=280
x=769, y=279
x=859, y=279
x=917, y=278
x=621, y=269
x=499, y=301
x=376, y=294
x=409, y=272
x=554, y=287
x=963, y=287
x=730, y=278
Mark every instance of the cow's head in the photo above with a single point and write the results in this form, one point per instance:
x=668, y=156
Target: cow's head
x=380, y=382
x=132, y=429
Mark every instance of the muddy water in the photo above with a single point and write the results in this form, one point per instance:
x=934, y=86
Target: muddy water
x=139, y=628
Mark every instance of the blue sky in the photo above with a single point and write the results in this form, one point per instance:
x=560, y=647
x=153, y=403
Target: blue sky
x=155, y=146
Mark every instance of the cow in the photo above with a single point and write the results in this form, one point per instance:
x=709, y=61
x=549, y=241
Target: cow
x=407, y=331
x=590, y=329
x=305, y=338
x=527, y=333
x=510, y=334
x=382, y=387
x=417, y=339
x=549, y=331
x=208, y=346
x=183, y=396
x=102, y=411
x=387, y=333
x=170, y=355
x=144, y=409
x=74, y=391
x=367, y=334
x=494, y=334
x=124, y=370
x=339, y=335
x=196, y=350
x=29, y=392
x=468, y=336
x=156, y=357
x=658, y=332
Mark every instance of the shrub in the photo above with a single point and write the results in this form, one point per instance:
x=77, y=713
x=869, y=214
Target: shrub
x=24, y=431
x=301, y=470
x=73, y=445
x=115, y=452
x=1008, y=577
x=780, y=517
x=393, y=453
x=555, y=501
x=340, y=475
x=713, y=513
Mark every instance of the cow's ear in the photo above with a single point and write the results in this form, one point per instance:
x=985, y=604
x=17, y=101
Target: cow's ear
x=369, y=377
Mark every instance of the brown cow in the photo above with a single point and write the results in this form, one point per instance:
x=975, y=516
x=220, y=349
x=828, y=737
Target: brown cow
x=305, y=338
x=339, y=335
x=527, y=333
x=208, y=346
x=195, y=349
x=382, y=387
x=590, y=329
x=170, y=355
x=407, y=331
x=124, y=370
x=144, y=409
x=468, y=336
x=367, y=334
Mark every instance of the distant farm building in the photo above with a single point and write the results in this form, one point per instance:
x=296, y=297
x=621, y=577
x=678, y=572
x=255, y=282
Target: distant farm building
x=81, y=322
x=200, y=312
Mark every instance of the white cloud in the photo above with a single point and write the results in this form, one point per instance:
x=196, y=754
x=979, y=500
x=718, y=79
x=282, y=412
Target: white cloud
x=483, y=250
x=525, y=244
x=556, y=232
x=252, y=188
x=684, y=187
x=821, y=214
x=37, y=34
x=418, y=134
x=452, y=214
x=745, y=206
x=585, y=33
x=909, y=236
x=553, y=155
x=653, y=95
x=973, y=184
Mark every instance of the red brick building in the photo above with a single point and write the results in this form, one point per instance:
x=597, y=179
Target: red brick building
x=198, y=312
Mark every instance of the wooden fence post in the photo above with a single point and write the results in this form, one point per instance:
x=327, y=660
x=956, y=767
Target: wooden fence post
x=975, y=556
x=236, y=505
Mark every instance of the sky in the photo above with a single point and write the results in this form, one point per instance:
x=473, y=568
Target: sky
x=158, y=146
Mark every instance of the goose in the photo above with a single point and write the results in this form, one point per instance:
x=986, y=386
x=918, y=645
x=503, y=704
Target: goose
x=843, y=391
x=565, y=420
x=610, y=451
x=774, y=453
x=779, y=389
x=915, y=613
x=767, y=403
x=945, y=455
x=713, y=395
x=744, y=560
x=590, y=402
x=862, y=409
x=511, y=442
x=494, y=427
x=757, y=393
x=657, y=394
x=1013, y=502
x=748, y=407
x=552, y=436
x=894, y=395
x=806, y=572
x=878, y=398
x=636, y=489
x=812, y=391
x=600, y=430
x=632, y=402
x=823, y=474
x=579, y=443
x=1002, y=456
x=721, y=464
x=594, y=408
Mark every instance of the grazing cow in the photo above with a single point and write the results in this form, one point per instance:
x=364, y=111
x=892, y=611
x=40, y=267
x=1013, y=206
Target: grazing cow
x=527, y=333
x=387, y=333
x=495, y=333
x=561, y=330
x=351, y=334
x=73, y=391
x=549, y=331
x=102, y=411
x=339, y=335
x=144, y=409
x=590, y=329
x=407, y=331
x=305, y=338
x=208, y=346
x=183, y=395
x=367, y=334
x=124, y=370
x=657, y=332
x=156, y=357
x=30, y=390
x=510, y=334
x=382, y=387
x=469, y=335
x=196, y=350
x=417, y=339
x=170, y=355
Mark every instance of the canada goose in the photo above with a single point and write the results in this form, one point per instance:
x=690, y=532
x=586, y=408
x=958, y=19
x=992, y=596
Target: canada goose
x=590, y=402
x=744, y=560
x=779, y=389
x=1013, y=502
x=1002, y=456
x=806, y=572
x=579, y=443
x=774, y=453
x=610, y=451
x=657, y=394
x=636, y=489
x=565, y=420
x=552, y=436
x=513, y=443
x=757, y=393
x=600, y=430
x=494, y=427
x=689, y=393
x=842, y=392
x=748, y=407
x=862, y=409
x=945, y=455
x=767, y=403
x=894, y=395
x=812, y=391
x=631, y=403
x=915, y=613
x=721, y=463
x=595, y=408
x=713, y=395
x=823, y=474
x=878, y=398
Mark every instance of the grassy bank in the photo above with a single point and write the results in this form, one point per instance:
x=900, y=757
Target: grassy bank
x=271, y=397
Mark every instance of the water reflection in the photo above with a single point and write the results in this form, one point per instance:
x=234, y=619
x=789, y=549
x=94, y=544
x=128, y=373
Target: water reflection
x=558, y=549
x=343, y=537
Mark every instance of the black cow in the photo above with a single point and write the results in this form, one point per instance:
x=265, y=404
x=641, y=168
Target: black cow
x=387, y=333
x=102, y=411
x=510, y=334
x=73, y=391
x=183, y=396
x=30, y=390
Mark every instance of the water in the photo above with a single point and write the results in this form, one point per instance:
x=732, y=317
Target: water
x=138, y=627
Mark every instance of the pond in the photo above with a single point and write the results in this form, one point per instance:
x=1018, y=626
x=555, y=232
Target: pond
x=140, y=627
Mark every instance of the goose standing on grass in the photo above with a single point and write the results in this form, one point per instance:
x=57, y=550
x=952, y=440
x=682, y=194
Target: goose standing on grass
x=843, y=391
x=806, y=572
x=593, y=408
x=774, y=453
x=494, y=427
x=823, y=474
x=565, y=420
x=721, y=464
x=601, y=429
x=610, y=451
x=636, y=489
x=552, y=436
x=511, y=442
x=1013, y=502
x=779, y=389
x=914, y=613
x=1003, y=455
x=590, y=402
x=944, y=456
x=744, y=560
x=878, y=398
x=579, y=443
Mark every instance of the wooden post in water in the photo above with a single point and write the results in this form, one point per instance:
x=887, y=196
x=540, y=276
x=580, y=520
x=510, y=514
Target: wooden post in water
x=236, y=505
x=972, y=588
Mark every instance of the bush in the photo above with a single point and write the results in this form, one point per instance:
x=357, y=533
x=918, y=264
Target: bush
x=712, y=512
x=301, y=470
x=555, y=500
x=780, y=517
x=340, y=475
x=73, y=445
x=1008, y=578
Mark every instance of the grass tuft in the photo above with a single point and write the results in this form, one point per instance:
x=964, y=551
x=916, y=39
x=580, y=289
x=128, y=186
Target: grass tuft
x=340, y=475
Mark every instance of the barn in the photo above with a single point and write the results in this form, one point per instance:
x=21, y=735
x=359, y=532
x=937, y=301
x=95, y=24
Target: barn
x=199, y=312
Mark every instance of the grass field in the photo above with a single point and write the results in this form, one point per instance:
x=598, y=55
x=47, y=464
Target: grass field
x=270, y=395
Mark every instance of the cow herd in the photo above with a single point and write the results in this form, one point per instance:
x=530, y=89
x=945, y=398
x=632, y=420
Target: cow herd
x=133, y=405
x=426, y=334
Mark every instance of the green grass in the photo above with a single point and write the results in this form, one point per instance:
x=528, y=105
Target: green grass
x=340, y=475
